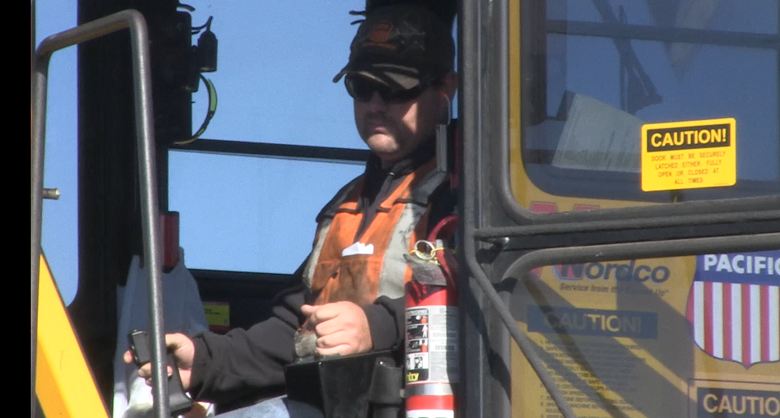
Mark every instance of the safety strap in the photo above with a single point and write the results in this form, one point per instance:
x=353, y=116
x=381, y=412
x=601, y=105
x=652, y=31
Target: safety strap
x=209, y=114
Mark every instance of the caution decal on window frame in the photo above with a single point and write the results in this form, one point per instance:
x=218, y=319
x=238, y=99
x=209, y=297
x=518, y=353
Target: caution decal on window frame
x=689, y=155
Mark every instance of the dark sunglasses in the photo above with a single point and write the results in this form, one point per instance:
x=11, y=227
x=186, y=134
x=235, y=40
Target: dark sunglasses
x=362, y=90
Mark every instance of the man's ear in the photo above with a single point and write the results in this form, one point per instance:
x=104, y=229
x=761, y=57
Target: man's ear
x=450, y=85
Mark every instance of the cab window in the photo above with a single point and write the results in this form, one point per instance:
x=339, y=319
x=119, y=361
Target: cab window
x=594, y=73
x=242, y=210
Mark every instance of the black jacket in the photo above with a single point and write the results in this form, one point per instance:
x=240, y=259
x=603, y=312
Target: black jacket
x=250, y=363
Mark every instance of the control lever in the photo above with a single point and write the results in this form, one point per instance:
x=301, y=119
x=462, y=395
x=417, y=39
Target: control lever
x=139, y=344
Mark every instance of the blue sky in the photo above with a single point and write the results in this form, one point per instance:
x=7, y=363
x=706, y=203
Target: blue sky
x=274, y=85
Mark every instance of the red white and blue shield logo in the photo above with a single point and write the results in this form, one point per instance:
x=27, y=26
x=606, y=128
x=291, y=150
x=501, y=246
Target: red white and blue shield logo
x=734, y=306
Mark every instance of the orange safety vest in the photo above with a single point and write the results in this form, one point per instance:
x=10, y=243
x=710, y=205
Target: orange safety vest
x=400, y=221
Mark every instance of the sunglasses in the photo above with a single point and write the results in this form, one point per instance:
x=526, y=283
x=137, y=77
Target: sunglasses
x=362, y=90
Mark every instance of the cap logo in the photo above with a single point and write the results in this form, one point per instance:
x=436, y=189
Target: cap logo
x=379, y=35
x=381, y=32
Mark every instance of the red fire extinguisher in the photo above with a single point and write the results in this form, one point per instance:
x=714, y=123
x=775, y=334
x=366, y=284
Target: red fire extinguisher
x=432, y=326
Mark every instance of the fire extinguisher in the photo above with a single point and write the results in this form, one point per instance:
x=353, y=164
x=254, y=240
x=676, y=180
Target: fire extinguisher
x=432, y=326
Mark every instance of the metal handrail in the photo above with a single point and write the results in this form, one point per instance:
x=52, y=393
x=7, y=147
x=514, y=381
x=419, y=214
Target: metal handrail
x=139, y=39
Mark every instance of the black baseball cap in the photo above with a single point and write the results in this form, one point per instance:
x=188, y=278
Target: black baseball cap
x=400, y=45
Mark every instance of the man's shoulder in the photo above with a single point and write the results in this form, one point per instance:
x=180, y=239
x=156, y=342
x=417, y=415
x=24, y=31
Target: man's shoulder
x=444, y=202
x=339, y=197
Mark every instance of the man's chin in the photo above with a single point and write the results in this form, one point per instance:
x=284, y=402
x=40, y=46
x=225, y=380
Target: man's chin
x=382, y=144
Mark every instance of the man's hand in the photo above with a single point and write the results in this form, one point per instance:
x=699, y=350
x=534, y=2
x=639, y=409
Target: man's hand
x=183, y=351
x=341, y=328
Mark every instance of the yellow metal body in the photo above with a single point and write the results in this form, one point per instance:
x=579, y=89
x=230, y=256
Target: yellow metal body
x=64, y=384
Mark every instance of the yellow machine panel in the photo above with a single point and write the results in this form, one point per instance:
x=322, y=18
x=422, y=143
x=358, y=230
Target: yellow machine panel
x=64, y=384
x=695, y=337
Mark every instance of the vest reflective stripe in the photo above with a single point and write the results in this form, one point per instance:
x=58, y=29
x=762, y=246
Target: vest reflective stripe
x=411, y=227
x=324, y=227
x=400, y=221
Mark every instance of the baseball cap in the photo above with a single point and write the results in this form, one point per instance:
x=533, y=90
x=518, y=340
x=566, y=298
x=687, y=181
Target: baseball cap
x=400, y=45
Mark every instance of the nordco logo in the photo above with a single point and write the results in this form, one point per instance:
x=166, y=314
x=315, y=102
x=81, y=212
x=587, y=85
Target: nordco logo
x=630, y=271
x=626, y=272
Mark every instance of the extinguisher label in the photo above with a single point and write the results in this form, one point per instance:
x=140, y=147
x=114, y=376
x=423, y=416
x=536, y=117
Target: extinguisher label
x=432, y=413
x=432, y=344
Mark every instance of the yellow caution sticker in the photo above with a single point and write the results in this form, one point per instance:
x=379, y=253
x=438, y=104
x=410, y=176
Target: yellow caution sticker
x=689, y=155
x=217, y=316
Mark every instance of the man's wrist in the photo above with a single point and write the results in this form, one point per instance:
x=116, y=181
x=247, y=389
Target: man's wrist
x=382, y=327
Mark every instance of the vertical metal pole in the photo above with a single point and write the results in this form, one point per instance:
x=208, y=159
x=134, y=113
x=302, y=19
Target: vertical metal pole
x=36, y=207
x=471, y=401
x=150, y=217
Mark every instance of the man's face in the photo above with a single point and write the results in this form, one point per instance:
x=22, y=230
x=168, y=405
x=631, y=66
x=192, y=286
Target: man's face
x=395, y=130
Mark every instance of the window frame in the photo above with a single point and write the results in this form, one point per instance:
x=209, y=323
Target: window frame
x=756, y=209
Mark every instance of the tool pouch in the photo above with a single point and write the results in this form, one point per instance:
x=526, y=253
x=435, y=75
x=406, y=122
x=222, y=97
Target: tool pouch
x=365, y=385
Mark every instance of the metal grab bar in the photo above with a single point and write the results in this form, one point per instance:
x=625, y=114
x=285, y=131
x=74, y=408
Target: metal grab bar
x=139, y=39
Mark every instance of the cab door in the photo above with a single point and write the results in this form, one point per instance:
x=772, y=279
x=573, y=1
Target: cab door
x=621, y=230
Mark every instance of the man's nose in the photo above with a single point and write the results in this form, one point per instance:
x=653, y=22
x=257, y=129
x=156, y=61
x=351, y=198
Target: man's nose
x=376, y=104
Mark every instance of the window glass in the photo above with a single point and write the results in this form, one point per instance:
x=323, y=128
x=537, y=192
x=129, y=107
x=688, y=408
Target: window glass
x=728, y=15
x=60, y=217
x=619, y=336
x=276, y=63
x=608, y=68
x=249, y=213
